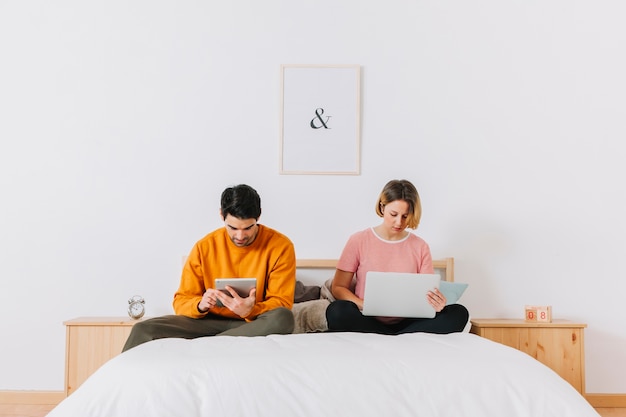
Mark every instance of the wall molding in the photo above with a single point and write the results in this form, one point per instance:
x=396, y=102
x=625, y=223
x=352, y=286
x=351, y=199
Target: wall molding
x=31, y=397
x=55, y=397
x=607, y=400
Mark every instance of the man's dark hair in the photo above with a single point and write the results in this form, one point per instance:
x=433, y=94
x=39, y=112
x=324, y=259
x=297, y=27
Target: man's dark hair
x=241, y=201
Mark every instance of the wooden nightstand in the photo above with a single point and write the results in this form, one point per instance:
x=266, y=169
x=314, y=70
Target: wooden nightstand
x=559, y=345
x=90, y=342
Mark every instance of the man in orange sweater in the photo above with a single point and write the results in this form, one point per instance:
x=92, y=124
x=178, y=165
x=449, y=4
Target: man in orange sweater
x=243, y=248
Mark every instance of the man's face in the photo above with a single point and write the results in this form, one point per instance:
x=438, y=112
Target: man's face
x=242, y=232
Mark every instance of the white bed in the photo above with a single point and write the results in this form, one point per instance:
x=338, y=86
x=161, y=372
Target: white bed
x=326, y=374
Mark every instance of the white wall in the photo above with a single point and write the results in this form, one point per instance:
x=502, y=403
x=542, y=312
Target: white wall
x=122, y=121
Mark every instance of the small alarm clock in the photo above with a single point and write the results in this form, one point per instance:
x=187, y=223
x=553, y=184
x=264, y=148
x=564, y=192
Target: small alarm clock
x=136, y=307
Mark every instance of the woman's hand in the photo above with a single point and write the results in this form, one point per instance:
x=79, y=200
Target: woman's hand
x=436, y=299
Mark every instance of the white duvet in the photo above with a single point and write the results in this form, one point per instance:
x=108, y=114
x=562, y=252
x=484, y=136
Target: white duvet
x=325, y=374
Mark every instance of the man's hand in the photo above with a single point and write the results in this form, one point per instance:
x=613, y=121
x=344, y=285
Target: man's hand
x=209, y=300
x=239, y=305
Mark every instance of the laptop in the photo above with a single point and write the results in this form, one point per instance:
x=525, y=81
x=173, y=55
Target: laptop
x=399, y=294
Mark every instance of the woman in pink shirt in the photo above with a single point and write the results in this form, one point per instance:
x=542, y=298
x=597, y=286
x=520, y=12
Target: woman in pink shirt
x=388, y=247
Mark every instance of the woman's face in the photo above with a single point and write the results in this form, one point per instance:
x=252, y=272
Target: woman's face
x=395, y=216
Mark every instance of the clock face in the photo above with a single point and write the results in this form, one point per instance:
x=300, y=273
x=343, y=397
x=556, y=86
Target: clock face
x=136, y=310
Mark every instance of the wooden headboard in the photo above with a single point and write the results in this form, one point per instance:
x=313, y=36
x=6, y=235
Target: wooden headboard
x=446, y=265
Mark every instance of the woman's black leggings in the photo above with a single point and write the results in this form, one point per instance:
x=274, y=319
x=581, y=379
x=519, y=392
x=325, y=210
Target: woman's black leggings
x=345, y=316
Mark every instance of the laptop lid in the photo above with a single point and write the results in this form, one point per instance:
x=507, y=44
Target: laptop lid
x=398, y=294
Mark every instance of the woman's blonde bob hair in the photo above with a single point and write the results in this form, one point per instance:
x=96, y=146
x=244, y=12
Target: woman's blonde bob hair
x=401, y=190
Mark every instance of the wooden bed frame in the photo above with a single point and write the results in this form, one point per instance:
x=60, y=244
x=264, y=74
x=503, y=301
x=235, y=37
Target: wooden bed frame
x=446, y=265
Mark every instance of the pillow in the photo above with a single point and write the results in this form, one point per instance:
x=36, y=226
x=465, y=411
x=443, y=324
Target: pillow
x=452, y=291
x=310, y=316
x=304, y=293
x=325, y=292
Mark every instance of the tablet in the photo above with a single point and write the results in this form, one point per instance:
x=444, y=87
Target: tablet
x=242, y=286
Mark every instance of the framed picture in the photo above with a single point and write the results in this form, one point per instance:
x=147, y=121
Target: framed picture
x=320, y=119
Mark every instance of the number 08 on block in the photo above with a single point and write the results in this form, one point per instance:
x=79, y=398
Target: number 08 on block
x=538, y=314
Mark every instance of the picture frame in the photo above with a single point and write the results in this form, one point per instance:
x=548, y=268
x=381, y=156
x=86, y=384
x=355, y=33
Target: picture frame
x=320, y=120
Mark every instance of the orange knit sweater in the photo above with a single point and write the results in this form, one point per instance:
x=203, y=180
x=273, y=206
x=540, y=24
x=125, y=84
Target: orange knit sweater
x=270, y=259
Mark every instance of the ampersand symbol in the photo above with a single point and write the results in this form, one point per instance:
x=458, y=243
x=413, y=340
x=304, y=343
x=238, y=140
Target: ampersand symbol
x=318, y=116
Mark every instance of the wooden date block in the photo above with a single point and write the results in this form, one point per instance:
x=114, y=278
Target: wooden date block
x=538, y=314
